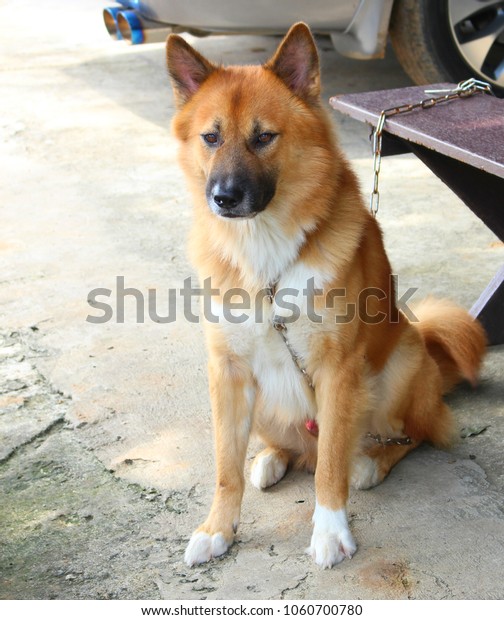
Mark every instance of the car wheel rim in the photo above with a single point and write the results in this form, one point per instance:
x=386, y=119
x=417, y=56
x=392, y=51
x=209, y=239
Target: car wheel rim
x=478, y=31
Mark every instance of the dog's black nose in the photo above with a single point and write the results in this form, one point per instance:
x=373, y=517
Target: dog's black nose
x=228, y=198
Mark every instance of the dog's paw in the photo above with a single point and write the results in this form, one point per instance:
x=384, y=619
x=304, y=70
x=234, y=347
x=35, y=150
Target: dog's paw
x=331, y=540
x=203, y=547
x=365, y=474
x=267, y=469
x=327, y=550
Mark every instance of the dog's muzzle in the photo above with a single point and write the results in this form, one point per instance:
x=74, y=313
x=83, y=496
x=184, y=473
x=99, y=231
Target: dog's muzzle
x=238, y=198
x=228, y=200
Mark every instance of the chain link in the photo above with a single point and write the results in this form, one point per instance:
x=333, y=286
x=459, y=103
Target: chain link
x=464, y=89
x=281, y=328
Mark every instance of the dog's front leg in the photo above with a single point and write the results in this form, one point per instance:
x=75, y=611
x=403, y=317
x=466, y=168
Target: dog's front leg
x=340, y=401
x=232, y=396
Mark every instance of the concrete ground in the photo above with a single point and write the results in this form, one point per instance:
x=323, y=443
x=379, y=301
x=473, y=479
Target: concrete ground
x=106, y=457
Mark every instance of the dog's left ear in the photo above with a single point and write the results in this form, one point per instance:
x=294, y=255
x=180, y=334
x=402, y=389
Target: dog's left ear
x=188, y=69
x=296, y=62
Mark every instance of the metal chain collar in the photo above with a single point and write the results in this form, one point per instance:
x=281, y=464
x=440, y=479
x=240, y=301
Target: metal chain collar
x=464, y=89
x=281, y=328
x=279, y=325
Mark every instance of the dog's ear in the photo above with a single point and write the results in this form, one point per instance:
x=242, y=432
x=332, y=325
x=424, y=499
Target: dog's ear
x=296, y=62
x=188, y=69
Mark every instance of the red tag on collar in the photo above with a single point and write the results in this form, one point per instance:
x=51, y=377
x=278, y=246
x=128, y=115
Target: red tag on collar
x=312, y=427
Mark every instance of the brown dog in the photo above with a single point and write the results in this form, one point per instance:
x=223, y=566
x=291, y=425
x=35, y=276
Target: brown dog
x=280, y=223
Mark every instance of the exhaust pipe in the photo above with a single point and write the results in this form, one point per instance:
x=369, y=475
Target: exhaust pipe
x=110, y=19
x=136, y=29
x=124, y=23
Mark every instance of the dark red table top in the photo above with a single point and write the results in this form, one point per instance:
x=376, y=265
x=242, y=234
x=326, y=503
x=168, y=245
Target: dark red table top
x=470, y=130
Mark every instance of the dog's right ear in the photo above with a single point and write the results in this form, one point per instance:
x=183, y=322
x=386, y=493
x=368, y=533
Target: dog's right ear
x=296, y=63
x=188, y=69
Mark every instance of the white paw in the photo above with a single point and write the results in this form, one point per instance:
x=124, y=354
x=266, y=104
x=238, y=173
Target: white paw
x=331, y=540
x=267, y=470
x=203, y=547
x=364, y=473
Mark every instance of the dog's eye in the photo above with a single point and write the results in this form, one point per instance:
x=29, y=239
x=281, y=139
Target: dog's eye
x=210, y=138
x=265, y=138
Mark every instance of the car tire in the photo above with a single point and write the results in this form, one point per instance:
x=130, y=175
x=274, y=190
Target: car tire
x=429, y=40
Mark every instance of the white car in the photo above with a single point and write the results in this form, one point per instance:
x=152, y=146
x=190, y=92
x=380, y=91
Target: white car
x=434, y=40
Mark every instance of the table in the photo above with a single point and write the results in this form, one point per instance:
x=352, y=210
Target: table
x=462, y=142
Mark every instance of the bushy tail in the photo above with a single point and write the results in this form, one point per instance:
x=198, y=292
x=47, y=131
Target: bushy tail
x=453, y=339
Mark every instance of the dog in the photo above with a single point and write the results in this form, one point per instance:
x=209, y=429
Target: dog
x=351, y=385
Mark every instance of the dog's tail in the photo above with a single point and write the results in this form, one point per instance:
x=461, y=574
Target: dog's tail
x=453, y=339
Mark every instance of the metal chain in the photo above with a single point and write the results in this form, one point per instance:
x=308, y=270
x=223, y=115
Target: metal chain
x=390, y=441
x=280, y=327
x=464, y=89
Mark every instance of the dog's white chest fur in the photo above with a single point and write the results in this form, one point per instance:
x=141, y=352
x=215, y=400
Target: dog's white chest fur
x=261, y=248
x=283, y=386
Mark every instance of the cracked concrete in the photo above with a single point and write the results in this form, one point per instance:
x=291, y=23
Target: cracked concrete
x=30, y=408
x=106, y=457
